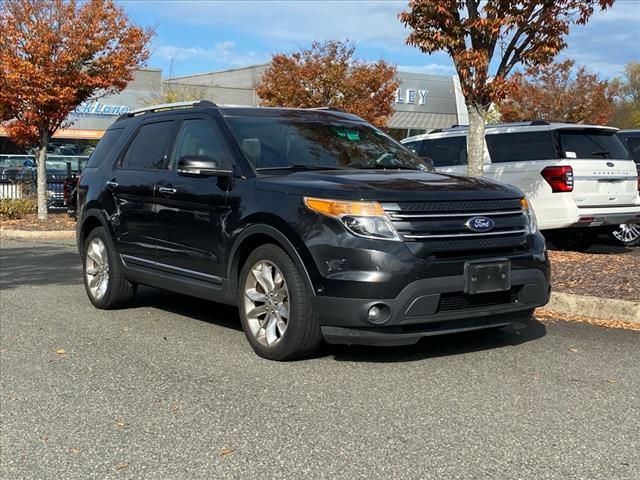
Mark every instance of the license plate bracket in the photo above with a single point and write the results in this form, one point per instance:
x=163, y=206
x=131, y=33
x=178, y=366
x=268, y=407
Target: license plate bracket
x=487, y=277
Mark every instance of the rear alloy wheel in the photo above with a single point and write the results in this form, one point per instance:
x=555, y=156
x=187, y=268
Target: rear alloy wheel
x=104, y=280
x=627, y=234
x=274, y=306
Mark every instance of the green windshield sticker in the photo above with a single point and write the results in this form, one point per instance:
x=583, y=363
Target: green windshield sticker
x=353, y=135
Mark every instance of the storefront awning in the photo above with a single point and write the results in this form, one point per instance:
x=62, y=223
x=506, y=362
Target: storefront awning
x=423, y=121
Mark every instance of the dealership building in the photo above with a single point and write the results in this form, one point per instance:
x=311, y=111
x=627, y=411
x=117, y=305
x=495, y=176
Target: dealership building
x=422, y=102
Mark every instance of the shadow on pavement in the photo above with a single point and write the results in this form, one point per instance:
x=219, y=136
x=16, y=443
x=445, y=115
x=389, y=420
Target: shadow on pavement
x=28, y=266
x=605, y=246
x=227, y=317
x=190, y=307
x=440, y=346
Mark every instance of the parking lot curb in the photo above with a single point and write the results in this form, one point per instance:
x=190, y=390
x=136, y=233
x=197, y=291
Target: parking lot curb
x=595, y=307
x=35, y=234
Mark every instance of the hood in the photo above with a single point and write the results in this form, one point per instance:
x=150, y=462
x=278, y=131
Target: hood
x=386, y=185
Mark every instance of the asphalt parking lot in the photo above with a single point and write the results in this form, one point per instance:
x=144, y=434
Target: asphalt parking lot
x=170, y=389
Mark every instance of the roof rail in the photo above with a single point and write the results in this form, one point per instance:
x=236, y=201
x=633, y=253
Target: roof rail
x=539, y=122
x=167, y=106
x=333, y=109
x=458, y=125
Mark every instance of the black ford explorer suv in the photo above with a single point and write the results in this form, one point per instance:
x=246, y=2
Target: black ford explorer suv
x=314, y=223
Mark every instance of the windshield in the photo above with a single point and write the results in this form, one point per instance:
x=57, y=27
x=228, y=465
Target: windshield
x=274, y=143
x=592, y=144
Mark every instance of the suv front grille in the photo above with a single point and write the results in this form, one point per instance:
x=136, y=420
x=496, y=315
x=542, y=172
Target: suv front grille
x=440, y=226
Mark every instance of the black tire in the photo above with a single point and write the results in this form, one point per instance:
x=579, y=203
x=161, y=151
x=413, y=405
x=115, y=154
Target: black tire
x=302, y=336
x=578, y=240
x=119, y=291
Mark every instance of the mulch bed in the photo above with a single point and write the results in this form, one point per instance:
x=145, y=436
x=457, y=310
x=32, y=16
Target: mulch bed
x=551, y=317
x=598, y=275
x=30, y=222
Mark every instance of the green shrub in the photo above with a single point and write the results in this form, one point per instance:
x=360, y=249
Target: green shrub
x=14, y=208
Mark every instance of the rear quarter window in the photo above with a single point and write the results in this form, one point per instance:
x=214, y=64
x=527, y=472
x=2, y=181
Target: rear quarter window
x=592, y=144
x=521, y=147
x=105, y=147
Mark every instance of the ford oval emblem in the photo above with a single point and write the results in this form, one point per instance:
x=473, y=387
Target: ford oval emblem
x=610, y=164
x=480, y=224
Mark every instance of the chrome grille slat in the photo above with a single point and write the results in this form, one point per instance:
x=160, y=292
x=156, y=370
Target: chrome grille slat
x=463, y=235
x=395, y=215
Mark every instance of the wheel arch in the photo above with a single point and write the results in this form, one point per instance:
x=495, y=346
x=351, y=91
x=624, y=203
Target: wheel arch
x=261, y=234
x=91, y=219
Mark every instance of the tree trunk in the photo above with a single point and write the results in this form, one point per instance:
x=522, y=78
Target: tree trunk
x=42, y=176
x=475, y=140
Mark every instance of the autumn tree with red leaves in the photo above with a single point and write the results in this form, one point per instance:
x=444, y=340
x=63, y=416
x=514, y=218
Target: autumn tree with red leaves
x=559, y=92
x=56, y=54
x=327, y=75
x=487, y=40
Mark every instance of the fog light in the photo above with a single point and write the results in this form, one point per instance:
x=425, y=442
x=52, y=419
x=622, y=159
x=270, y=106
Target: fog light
x=378, y=313
x=373, y=314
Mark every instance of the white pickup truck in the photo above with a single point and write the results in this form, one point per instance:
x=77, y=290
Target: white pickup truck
x=580, y=179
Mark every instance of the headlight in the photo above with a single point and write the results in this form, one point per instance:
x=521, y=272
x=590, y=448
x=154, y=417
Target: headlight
x=364, y=219
x=532, y=222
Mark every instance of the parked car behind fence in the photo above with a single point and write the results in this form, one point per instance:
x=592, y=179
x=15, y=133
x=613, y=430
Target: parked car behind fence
x=18, y=176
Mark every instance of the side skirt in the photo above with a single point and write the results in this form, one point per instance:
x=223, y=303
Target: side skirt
x=187, y=282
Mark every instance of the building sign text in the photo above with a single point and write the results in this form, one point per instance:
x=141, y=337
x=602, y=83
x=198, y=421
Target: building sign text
x=411, y=96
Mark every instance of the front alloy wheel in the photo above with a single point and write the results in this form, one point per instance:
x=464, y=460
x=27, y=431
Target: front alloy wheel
x=628, y=234
x=274, y=306
x=266, y=303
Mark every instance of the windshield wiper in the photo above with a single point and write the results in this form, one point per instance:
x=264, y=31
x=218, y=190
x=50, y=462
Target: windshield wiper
x=388, y=167
x=603, y=153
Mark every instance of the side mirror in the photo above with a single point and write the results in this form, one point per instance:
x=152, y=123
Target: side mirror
x=429, y=162
x=202, y=165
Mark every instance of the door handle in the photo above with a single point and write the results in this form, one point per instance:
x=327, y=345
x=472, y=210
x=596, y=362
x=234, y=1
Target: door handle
x=111, y=185
x=167, y=190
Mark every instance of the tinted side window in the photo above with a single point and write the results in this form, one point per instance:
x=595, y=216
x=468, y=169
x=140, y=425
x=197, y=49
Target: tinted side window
x=592, y=144
x=148, y=149
x=446, y=152
x=521, y=147
x=414, y=147
x=199, y=138
x=105, y=146
x=634, y=148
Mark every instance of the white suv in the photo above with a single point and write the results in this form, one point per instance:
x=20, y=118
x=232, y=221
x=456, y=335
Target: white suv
x=579, y=178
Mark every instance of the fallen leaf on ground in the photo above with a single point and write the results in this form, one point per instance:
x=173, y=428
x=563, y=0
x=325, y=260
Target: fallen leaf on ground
x=74, y=450
x=61, y=351
x=573, y=350
x=175, y=408
x=122, y=466
x=227, y=452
